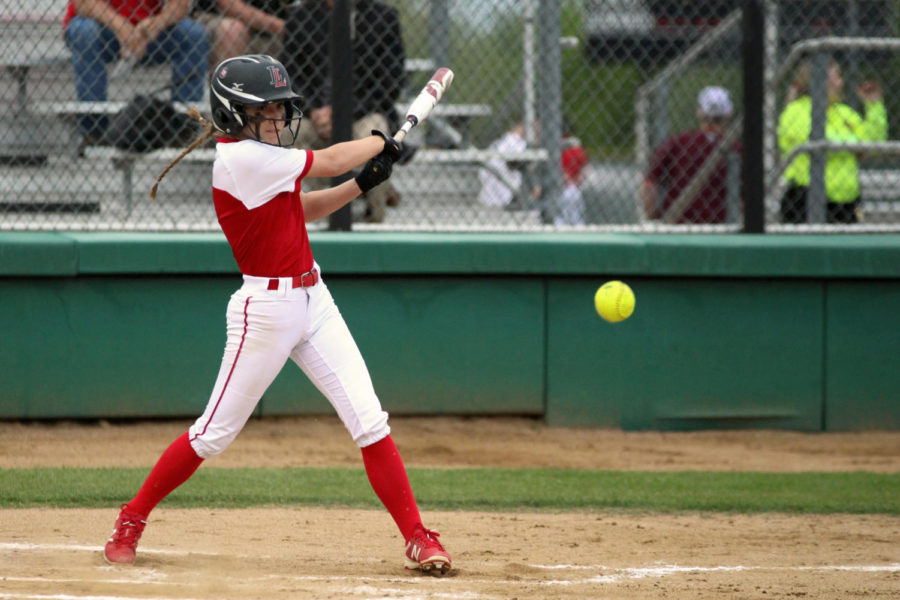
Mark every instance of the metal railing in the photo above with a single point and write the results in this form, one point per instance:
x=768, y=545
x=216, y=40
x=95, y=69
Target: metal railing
x=820, y=146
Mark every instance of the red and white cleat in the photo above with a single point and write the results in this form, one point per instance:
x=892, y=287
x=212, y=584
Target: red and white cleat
x=424, y=552
x=122, y=544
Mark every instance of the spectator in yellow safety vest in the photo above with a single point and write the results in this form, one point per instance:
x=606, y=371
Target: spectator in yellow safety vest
x=842, y=124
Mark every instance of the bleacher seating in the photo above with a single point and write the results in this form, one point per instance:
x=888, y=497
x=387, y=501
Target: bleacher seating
x=39, y=130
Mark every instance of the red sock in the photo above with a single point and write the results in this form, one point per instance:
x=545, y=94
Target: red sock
x=388, y=478
x=173, y=468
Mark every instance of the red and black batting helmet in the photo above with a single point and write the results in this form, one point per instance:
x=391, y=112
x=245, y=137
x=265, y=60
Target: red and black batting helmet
x=250, y=80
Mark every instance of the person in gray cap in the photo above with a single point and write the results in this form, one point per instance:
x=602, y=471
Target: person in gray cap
x=679, y=158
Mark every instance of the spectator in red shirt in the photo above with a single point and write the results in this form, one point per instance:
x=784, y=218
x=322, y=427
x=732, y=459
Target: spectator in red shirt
x=99, y=32
x=679, y=158
x=574, y=159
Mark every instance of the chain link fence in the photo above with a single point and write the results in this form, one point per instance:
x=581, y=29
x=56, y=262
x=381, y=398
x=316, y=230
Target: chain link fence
x=567, y=115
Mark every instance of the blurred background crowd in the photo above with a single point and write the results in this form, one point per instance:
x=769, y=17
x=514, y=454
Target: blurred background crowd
x=564, y=114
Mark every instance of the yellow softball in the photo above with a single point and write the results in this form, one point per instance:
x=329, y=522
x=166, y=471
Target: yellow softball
x=614, y=301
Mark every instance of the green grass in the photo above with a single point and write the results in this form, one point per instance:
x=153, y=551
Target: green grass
x=474, y=489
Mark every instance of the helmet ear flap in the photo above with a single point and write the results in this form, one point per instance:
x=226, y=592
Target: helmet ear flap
x=221, y=115
x=226, y=117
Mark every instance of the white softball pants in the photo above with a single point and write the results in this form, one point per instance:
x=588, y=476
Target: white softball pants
x=265, y=328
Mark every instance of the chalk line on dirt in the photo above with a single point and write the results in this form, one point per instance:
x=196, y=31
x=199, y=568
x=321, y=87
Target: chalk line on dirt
x=591, y=574
x=24, y=546
x=630, y=573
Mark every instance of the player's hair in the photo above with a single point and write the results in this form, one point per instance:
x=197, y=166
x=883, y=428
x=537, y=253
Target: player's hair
x=209, y=130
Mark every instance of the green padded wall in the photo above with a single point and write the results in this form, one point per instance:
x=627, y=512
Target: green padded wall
x=696, y=353
x=150, y=346
x=862, y=347
x=109, y=346
x=440, y=344
x=783, y=331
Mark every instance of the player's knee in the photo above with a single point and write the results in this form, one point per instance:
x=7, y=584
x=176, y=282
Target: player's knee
x=189, y=33
x=368, y=433
x=207, y=445
x=82, y=32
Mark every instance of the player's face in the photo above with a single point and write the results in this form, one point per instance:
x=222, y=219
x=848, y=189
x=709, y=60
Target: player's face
x=265, y=122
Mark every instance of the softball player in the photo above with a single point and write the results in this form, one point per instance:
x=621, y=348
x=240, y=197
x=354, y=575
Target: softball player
x=283, y=309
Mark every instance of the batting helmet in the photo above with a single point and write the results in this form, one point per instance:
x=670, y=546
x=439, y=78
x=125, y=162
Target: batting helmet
x=251, y=80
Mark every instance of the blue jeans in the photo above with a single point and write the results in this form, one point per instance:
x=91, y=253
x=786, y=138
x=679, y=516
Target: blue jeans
x=93, y=47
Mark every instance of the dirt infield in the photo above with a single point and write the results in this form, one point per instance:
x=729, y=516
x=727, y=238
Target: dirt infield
x=355, y=554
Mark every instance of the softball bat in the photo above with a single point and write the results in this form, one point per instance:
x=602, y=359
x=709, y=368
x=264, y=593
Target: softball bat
x=425, y=102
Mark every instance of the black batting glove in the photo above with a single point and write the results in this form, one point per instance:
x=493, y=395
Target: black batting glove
x=376, y=171
x=392, y=148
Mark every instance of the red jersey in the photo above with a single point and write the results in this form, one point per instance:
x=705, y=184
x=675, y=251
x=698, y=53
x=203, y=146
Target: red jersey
x=256, y=191
x=133, y=10
x=675, y=164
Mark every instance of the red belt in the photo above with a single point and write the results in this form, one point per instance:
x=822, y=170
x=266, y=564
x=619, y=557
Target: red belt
x=306, y=280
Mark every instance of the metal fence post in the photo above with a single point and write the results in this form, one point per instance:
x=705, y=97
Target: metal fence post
x=733, y=188
x=528, y=83
x=341, y=96
x=661, y=117
x=851, y=76
x=819, y=93
x=439, y=32
x=770, y=106
x=754, y=85
x=438, y=51
x=550, y=104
